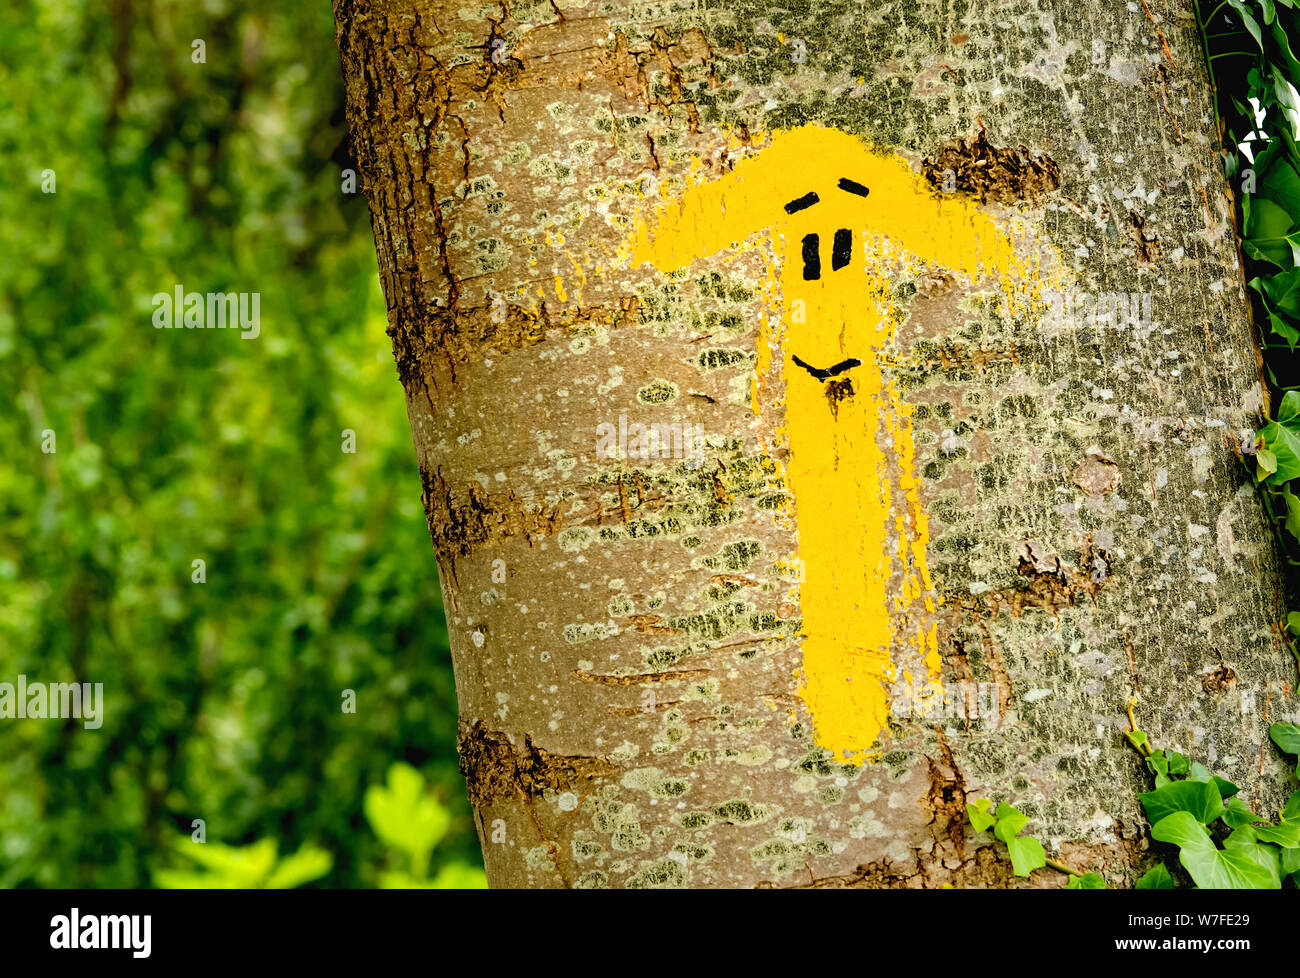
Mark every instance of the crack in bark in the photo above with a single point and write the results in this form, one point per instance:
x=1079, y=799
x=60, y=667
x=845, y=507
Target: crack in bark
x=495, y=769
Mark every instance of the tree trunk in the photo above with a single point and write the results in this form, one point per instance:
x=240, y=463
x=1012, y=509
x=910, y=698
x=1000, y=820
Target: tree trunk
x=793, y=472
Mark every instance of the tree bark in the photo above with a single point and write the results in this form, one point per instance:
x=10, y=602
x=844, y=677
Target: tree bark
x=718, y=668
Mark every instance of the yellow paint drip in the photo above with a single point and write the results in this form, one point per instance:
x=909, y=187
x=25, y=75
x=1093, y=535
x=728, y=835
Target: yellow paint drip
x=862, y=534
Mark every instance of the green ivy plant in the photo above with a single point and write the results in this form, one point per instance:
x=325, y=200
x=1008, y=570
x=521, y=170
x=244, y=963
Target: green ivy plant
x=1221, y=842
x=1025, y=852
x=1250, y=50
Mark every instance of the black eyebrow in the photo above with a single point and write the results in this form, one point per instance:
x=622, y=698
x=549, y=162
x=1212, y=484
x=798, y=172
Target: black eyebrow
x=829, y=372
x=807, y=200
x=853, y=187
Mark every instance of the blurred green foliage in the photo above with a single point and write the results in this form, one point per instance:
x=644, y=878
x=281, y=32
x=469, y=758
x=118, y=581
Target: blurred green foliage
x=412, y=823
x=254, y=866
x=402, y=814
x=222, y=699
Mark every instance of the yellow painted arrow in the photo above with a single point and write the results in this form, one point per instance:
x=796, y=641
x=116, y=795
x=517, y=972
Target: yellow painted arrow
x=841, y=217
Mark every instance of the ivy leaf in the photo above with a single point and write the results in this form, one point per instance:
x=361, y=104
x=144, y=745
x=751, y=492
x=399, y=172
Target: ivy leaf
x=1267, y=226
x=1283, y=92
x=1178, y=763
x=979, y=816
x=1155, y=878
x=1026, y=854
x=1276, y=176
x=1292, y=522
x=1290, y=861
x=1286, y=736
x=1267, y=463
x=1249, y=21
x=1293, y=623
x=1282, y=442
x=1238, y=813
x=1284, y=329
x=1246, y=840
x=1199, y=772
x=1088, y=881
x=1291, y=811
x=1198, y=798
x=1226, y=788
x=1010, y=822
x=1278, y=32
x=1288, y=412
x=1280, y=293
x=1285, y=834
x=1239, y=867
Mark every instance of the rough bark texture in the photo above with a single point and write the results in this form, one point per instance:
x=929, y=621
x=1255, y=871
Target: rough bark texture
x=1091, y=535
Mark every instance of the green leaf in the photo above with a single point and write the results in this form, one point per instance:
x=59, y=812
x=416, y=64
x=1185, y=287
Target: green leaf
x=308, y=863
x=1280, y=296
x=1238, y=813
x=1267, y=463
x=1284, y=834
x=1292, y=521
x=404, y=817
x=1281, y=291
x=1026, y=854
x=1283, y=328
x=1199, y=772
x=1291, y=811
x=244, y=867
x=1155, y=878
x=1283, y=443
x=1248, y=20
x=456, y=876
x=1290, y=861
x=979, y=816
x=1088, y=881
x=1177, y=763
x=1246, y=840
x=1267, y=226
x=1286, y=736
x=1199, y=798
x=1226, y=788
x=1293, y=623
x=1237, y=868
x=1278, y=32
x=1010, y=822
x=1288, y=412
x=460, y=876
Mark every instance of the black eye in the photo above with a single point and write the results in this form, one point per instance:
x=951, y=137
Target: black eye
x=812, y=261
x=841, y=248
